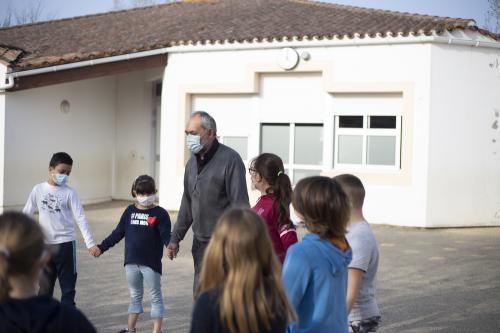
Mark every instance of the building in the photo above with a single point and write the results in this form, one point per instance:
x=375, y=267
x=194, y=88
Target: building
x=407, y=102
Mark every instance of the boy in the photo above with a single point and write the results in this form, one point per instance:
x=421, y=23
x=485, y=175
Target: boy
x=59, y=207
x=364, y=315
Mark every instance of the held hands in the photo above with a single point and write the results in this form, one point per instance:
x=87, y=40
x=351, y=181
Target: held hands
x=172, y=250
x=95, y=251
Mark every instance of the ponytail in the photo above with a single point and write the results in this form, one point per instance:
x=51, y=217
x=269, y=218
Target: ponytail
x=282, y=190
x=270, y=168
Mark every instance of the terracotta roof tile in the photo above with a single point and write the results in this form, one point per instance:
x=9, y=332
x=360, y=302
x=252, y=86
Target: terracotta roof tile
x=184, y=22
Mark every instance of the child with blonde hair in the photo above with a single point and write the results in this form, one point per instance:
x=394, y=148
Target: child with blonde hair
x=23, y=255
x=240, y=287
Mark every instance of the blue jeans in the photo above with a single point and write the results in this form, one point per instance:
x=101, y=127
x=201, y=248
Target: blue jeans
x=137, y=275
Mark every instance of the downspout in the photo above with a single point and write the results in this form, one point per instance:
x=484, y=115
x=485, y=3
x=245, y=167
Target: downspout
x=7, y=83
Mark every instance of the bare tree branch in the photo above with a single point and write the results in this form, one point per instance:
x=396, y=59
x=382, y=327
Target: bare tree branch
x=34, y=12
x=493, y=16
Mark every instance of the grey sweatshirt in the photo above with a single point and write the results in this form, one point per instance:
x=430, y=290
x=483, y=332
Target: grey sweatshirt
x=221, y=184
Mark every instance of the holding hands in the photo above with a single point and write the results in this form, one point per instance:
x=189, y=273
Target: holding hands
x=172, y=250
x=95, y=251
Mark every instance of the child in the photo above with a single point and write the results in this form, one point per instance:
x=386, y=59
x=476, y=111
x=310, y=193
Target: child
x=58, y=206
x=22, y=257
x=364, y=315
x=269, y=178
x=315, y=270
x=240, y=288
x=146, y=228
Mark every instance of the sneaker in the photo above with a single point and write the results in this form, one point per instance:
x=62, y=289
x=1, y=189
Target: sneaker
x=127, y=331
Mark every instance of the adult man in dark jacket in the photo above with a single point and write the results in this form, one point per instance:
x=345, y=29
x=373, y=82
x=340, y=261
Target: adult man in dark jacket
x=214, y=180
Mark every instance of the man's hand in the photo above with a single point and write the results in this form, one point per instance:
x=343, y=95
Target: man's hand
x=95, y=251
x=172, y=250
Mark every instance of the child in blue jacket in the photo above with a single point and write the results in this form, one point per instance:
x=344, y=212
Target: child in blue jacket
x=315, y=269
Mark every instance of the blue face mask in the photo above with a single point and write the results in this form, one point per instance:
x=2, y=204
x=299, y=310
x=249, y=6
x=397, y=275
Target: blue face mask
x=60, y=178
x=193, y=143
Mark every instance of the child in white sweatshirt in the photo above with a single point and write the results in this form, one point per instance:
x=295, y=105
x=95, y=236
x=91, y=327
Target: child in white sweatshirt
x=59, y=207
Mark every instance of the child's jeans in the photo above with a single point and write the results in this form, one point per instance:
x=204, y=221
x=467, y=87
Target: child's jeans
x=137, y=276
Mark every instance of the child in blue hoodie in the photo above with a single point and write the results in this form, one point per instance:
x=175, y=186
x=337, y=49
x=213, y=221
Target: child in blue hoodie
x=315, y=269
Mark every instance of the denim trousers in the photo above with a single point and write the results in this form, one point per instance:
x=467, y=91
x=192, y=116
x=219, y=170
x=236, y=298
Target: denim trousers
x=137, y=277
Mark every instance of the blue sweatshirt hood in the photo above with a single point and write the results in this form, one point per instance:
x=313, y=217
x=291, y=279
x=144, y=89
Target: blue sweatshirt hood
x=335, y=257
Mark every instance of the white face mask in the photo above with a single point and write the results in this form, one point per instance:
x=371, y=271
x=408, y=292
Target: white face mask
x=60, y=178
x=294, y=218
x=193, y=143
x=146, y=201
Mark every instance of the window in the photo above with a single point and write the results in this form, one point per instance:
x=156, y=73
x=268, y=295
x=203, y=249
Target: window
x=238, y=143
x=368, y=140
x=300, y=146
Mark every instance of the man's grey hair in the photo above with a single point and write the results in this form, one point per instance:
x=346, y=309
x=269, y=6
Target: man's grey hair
x=207, y=121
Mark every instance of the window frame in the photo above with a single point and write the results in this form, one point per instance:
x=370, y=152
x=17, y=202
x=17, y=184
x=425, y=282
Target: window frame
x=365, y=132
x=290, y=167
x=221, y=139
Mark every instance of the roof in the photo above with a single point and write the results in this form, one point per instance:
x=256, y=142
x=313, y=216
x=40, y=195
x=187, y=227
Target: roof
x=184, y=22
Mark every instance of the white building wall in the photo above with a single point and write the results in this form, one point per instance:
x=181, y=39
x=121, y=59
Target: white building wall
x=3, y=70
x=134, y=123
x=400, y=203
x=36, y=128
x=464, y=154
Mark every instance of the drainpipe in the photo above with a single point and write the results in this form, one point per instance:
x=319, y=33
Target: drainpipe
x=7, y=83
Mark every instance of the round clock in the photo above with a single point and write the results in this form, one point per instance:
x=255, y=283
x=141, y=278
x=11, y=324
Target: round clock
x=288, y=58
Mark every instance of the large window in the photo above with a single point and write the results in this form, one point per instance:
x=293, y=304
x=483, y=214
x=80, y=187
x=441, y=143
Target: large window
x=300, y=146
x=238, y=143
x=368, y=140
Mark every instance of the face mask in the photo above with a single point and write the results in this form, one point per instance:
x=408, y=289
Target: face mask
x=193, y=143
x=146, y=201
x=60, y=178
x=294, y=218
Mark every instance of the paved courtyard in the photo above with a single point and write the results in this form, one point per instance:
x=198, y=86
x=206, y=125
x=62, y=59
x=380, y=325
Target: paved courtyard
x=429, y=280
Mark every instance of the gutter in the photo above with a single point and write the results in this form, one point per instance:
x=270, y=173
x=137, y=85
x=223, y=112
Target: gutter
x=7, y=85
x=255, y=45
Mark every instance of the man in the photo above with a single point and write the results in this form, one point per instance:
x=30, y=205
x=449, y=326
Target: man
x=364, y=315
x=214, y=180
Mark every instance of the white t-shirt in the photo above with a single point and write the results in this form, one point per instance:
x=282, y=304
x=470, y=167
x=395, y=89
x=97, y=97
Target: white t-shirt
x=364, y=257
x=58, y=207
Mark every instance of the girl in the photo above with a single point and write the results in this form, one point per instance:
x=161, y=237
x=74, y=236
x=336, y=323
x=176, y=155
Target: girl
x=146, y=228
x=240, y=287
x=269, y=178
x=22, y=258
x=315, y=270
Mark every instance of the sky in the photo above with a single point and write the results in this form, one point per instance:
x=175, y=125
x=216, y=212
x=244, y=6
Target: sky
x=470, y=9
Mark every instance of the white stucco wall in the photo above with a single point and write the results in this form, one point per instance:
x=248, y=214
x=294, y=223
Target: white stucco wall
x=134, y=136
x=36, y=128
x=391, y=202
x=3, y=70
x=108, y=132
x=464, y=154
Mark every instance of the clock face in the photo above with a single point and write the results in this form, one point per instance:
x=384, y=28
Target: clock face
x=288, y=58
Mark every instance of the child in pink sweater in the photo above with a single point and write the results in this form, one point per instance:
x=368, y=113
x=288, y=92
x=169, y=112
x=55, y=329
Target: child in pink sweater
x=269, y=178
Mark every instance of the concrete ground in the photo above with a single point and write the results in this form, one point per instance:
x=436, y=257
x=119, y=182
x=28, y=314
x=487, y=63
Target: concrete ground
x=445, y=280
